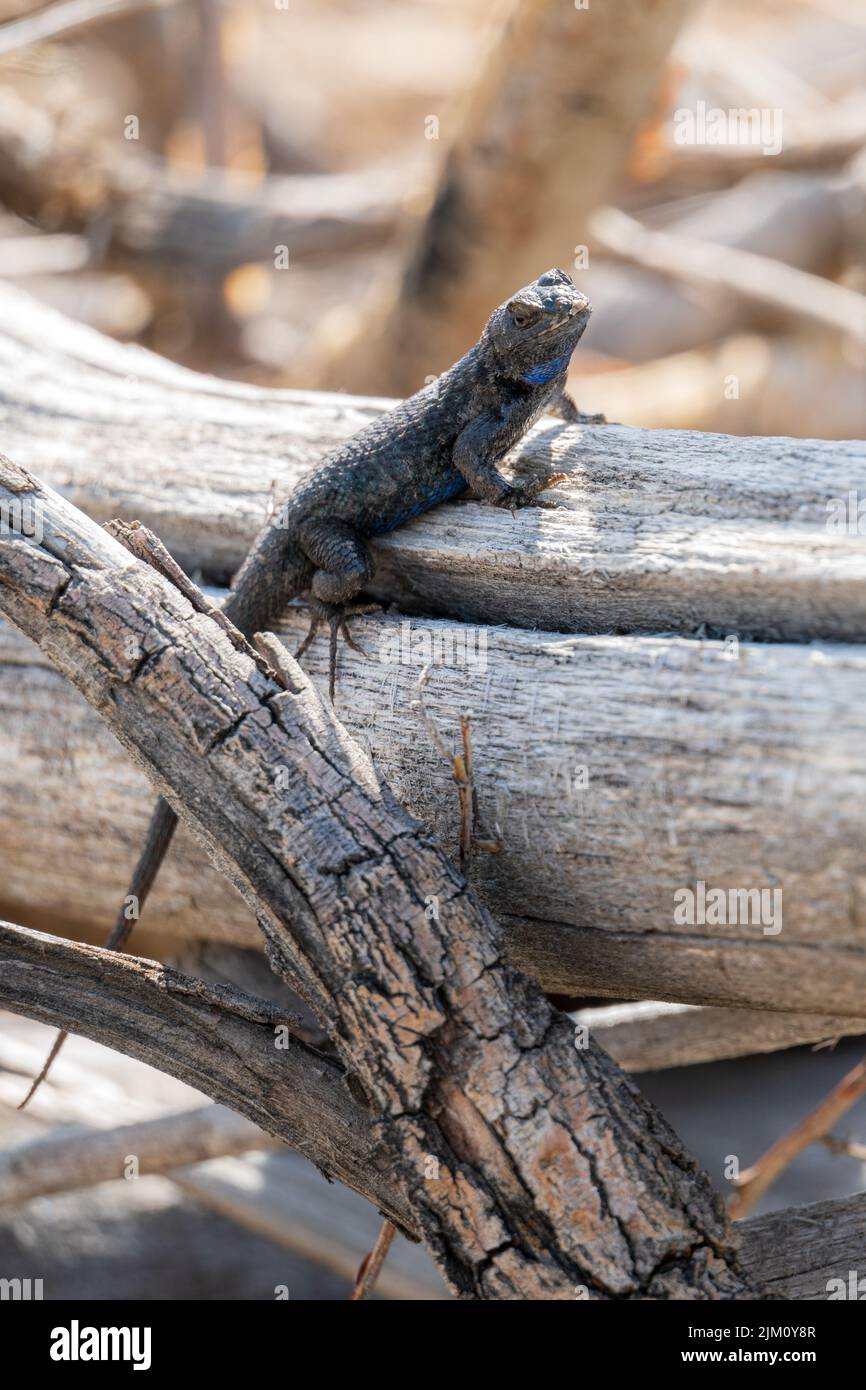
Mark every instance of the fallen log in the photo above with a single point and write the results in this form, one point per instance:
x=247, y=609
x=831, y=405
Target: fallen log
x=617, y=773
x=809, y=1252
x=548, y=1169
x=66, y=1158
x=799, y=219
x=662, y=531
x=783, y=291
x=651, y=1036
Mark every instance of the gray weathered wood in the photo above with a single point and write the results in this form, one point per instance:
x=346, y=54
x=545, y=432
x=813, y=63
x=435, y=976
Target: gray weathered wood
x=798, y=1251
x=619, y=770
x=469, y=1068
x=793, y=1252
x=68, y=1158
x=658, y=531
x=279, y=1196
x=651, y=1036
x=217, y=1039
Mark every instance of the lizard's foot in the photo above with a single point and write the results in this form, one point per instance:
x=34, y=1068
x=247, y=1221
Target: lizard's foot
x=336, y=616
x=523, y=492
x=566, y=408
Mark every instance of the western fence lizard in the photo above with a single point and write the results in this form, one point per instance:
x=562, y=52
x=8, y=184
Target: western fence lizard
x=446, y=440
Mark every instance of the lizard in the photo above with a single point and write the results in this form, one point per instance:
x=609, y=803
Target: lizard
x=442, y=442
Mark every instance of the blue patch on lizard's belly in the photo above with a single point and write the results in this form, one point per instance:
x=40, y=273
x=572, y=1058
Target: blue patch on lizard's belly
x=451, y=487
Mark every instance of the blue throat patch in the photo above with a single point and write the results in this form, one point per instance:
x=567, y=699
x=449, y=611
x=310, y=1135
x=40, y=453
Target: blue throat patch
x=539, y=376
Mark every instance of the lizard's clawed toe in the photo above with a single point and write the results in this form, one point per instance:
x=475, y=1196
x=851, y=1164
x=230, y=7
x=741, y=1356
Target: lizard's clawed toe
x=336, y=615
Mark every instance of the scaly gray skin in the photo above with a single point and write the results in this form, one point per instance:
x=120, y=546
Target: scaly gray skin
x=441, y=442
x=445, y=440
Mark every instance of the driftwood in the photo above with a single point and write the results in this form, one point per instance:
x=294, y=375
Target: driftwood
x=657, y=532
x=793, y=1252
x=808, y=1252
x=501, y=1133
x=617, y=771
x=66, y=1159
x=546, y=135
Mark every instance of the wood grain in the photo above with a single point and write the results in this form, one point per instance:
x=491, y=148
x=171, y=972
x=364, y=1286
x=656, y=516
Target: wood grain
x=658, y=531
x=619, y=770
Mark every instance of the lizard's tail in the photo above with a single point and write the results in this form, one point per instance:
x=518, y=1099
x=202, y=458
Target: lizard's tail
x=159, y=834
x=275, y=571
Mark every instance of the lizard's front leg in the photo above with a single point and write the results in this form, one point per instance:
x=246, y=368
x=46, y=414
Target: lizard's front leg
x=475, y=456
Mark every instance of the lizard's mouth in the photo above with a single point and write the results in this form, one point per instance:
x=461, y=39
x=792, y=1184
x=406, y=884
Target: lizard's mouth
x=565, y=319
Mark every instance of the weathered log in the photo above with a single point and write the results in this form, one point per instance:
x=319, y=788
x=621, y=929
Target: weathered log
x=809, y=1252
x=784, y=291
x=619, y=771
x=650, y=1036
x=794, y=1252
x=548, y=1167
x=662, y=531
x=799, y=219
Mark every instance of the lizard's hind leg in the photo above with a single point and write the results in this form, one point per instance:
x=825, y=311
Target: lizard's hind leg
x=343, y=566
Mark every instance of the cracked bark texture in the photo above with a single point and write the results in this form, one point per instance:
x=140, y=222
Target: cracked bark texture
x=534, y=1170
x=301, y=1099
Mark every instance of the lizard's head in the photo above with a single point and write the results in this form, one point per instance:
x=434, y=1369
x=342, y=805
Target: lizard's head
x=538, y=328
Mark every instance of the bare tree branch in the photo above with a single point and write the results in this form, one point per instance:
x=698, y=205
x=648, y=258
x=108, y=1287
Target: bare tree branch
x=239, y=1050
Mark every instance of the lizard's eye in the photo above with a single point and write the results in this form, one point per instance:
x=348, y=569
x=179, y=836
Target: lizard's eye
x=521, y=314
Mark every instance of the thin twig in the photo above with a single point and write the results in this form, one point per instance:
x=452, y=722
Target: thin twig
x=754, y=1182
x=371, y=1265
x=461, y=767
